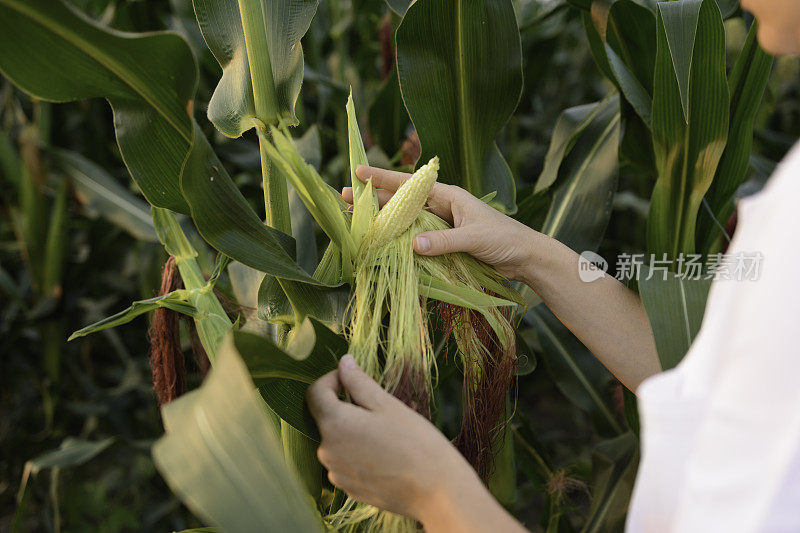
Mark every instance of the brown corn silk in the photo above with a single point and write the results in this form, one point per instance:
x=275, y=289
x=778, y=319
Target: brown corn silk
x=166, y=357
x=488, y=374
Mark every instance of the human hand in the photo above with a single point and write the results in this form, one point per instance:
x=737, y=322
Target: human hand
x=377, y=449
x=478, y=229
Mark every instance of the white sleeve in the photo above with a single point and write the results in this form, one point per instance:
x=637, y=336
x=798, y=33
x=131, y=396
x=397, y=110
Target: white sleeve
x=743, y=470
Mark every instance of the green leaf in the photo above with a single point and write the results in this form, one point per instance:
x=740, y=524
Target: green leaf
x=222, y=459
x=282, y=376
x=280, y=302
x=746, y=85
x=614, y=466
x=176, y=300
x=56, y=54
x=324, y=203
x=583, y=198
x=622, y=39
x=255, y=40
x=364, y=207
x=71, y=452
x=688, y=142
x=460, y=69
x=56, y=243
x=102, y=194
x=310, y=148
x=728, y=7
x=570, y=125
x=226, y=221
x=634, y=92
x=388, y=118
x=679, y=22
x=675, y=307
x=10, y=170
x=399, y=6
x=577, y=373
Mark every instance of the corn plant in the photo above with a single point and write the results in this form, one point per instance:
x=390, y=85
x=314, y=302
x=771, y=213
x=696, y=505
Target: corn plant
x=673, y=119
x=371, y=251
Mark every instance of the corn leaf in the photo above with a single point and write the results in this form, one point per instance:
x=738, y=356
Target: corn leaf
x=576, y=372
x=622, y=39
x=102, y=195
x=310, y=148
x=746, y=85
x=570, y=125
x=10, y=170
x=176, y=300
x=583, y=195
x=149, y=80
x=226, y=221
x=324, y=203
x=222, y=459
x=614, y=465
x=690, y=120
x=387, y=116
x=460, y=69
x=56, y=244
x=264, y=34
x=282, y=376
x=399, y=6
x=675, y=307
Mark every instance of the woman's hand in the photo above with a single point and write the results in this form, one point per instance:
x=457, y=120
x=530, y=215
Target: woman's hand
x=478, y=229
x=382, y=453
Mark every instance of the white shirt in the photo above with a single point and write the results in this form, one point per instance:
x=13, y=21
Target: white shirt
x=721, y=431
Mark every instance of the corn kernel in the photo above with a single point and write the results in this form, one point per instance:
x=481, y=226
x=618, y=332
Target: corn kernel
x=403, y=208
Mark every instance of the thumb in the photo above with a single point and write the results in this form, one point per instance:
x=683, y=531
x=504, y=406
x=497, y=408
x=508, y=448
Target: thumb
x=363, y=389
x=444, y=241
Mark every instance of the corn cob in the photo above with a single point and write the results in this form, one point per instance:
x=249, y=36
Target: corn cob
x=401, y=211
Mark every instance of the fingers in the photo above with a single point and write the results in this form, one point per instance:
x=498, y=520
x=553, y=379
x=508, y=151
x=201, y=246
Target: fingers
x=323, y=395
x=441, y=202
x=444, y=241
x=443, y=198
x=363, y=390
x=381, y=178
x=383, y=196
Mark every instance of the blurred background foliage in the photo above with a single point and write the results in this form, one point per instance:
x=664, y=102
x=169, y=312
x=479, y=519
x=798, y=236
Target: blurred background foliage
x=73, y=251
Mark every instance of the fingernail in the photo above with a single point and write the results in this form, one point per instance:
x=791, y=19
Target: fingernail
x=422, y=244
x=348, y=362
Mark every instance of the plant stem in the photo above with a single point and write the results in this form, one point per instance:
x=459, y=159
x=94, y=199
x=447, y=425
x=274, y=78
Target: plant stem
x=255, y=38
x=276, y=192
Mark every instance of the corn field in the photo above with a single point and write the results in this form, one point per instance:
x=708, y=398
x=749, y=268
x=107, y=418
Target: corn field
x=177, y=264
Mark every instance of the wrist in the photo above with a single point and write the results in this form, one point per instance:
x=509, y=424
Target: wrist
x=537, y=254
x=443, y=505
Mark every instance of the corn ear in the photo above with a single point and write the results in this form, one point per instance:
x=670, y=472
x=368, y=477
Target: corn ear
x=402, y=210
